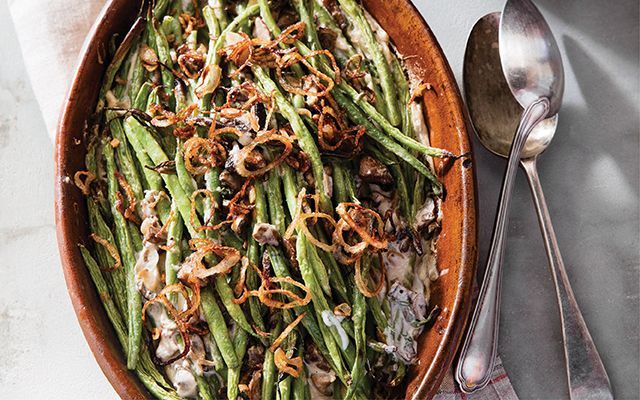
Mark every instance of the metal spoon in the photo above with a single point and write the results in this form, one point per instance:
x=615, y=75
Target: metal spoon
x=494, y=112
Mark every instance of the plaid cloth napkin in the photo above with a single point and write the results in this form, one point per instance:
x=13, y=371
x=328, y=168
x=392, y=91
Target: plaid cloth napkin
x=51, y=48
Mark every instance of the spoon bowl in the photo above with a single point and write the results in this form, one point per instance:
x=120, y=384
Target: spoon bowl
x=531, y=59
x=493, y=109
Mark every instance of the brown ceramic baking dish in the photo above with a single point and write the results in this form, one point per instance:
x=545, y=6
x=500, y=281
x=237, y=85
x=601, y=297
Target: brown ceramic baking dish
x=456, y=246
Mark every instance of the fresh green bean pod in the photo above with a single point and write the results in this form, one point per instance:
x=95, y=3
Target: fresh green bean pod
x=233, y=375
x=174, y=254
x=134, y=300
x=218, y=328
x=357, y=17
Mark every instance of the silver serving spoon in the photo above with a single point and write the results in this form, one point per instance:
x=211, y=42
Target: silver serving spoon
x=494, y=112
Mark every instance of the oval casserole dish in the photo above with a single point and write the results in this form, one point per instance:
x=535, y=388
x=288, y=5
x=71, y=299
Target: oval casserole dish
x=448, y=130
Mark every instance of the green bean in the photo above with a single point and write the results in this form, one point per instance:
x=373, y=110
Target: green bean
x=134, y=300
x=216, y=356
x=218, y=328
x=186, y=180
x=118, y=58
x=235, y=311
x=274, y=194
x=118, y=277
x=284, y=388
x=174, y=254
x=319, y=269
x=233, y=375
x=136, y=80
x=308, y=322
x=171, y=26
x=141, y=96
x=358, y=315
x=356, y=16
x=255, y=309
x=160, y=8
x=300, y=384
x=153, y=179
x=267, y=17
x=220, y=14
x=335, y=274
x=103, y=292
x=164, y=56
x=204, y=390
x=290, y=190
x=404, y=95
x=127, y=166
x=330, y=335
x=268, y=374
x=213, y=58
x=309, y=29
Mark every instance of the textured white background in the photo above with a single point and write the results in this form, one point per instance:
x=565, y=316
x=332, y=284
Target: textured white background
x=590, y=175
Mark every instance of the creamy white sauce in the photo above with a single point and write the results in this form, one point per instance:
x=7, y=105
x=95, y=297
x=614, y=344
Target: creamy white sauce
x=148, y=275
x=330, y=319
x=182, y=378
x=426, y=213
x=398, y=263
x=232, y=157
x=168, y=345
x=147, y=272
x=232, y=38
x=245, y=139
x=260, y=30
x=407, y=308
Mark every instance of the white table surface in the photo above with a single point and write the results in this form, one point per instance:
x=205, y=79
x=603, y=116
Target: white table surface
x=590, y=175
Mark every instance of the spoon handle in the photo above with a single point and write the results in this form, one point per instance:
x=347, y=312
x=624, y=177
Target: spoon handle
x=587, y=376
x=476, y=361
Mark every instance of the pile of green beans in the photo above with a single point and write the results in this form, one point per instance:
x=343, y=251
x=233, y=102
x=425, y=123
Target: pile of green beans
x=130, y=155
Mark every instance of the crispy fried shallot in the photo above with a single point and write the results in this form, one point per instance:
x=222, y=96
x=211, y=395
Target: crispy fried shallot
x=113, y=251
x=342, y=310
x=130, y=212
x=200, y=154
x=291, y=366
x=265, y=293
x=83, y=180
x=203, y=247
